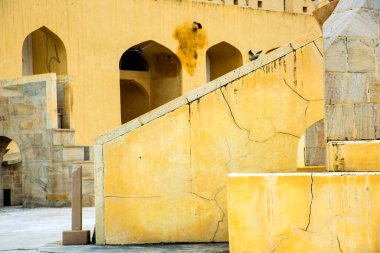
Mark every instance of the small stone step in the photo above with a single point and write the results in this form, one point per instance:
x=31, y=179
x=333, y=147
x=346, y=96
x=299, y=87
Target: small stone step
x=76, y=153
x=63, y=136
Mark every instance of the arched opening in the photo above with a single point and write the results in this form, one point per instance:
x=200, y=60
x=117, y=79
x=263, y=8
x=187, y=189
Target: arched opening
x=43, y=52
x=134, y=101
x=150, y=76
x=221, y=59
x=10, y=173
x=312, y=146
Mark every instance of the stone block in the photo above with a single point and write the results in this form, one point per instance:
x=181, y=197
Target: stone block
x=76, y=237
x=21, y=110
x=4, y=100
x=7, y=182
x=349, y=122
x=336, y=54
x=361, y=23
x=355, y=4
x=346, y=88
x=353, y=156
x=315, y=156
x=35, y=89
x=303, y=212
x=63, y=136
x=361, y=55
x=73, y=153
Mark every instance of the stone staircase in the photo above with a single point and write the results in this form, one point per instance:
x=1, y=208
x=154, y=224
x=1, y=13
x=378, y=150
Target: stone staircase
x=68, y=155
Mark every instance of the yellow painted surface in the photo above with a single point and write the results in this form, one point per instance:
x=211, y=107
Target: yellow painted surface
x=304, y=212
x=353, y=156
x=166, y=181
x=95, y=34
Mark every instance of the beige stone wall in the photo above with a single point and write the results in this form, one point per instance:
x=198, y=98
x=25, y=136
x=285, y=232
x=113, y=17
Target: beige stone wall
x=96, y=33
x=28, y=116
x=11, y=178
x=162, y=176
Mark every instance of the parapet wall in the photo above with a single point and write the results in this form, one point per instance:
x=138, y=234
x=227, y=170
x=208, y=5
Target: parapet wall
x=162, y=177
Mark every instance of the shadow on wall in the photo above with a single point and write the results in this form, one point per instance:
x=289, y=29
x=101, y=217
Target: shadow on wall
x=150, y=76
x=43, y=52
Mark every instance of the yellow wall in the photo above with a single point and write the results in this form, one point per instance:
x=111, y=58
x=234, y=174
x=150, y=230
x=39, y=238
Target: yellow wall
x=166, y=180
x=294, y=6
x=304, y=212
x=96, y=33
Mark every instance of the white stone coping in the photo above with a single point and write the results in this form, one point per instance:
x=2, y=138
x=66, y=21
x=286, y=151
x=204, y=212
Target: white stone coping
x=292, y=174
x=350, y=142
x=208, y=87
x=29, y=79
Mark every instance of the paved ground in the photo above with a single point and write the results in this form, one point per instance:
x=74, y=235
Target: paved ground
x=40, y=230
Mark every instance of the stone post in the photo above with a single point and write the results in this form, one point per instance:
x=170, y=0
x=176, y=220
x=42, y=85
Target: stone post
x=352, y=84
x=76, y=236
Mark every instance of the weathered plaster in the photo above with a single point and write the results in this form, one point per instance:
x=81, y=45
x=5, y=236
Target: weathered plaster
x=165, y=172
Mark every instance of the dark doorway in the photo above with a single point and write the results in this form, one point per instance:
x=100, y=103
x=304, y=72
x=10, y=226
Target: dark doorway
x=7, y=197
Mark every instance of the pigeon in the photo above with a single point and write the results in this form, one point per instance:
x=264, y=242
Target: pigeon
x=254, y=56
x=196, y=26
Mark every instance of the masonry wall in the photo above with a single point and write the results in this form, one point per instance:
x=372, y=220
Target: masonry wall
x=162, y=177
x=11, y=178
x=96, y=34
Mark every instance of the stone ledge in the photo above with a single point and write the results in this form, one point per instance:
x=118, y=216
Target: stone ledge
x=28, y=79
x=353, y=155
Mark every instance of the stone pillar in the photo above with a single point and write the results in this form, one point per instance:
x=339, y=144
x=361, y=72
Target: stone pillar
x=76, y=236
x=352, y=80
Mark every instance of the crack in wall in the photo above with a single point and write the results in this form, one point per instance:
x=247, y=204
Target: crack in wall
x=298, y=94
x=219, y=207
x=278, y=245
x=311, y=203
x=320, y=52
x=340, y=249
x=247, y=130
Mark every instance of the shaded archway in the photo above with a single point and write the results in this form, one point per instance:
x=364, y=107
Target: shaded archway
x=221, y=59
x=150, y=76
x=11, y=192
x=312, y=146
x=43, y=52
x=134, y=101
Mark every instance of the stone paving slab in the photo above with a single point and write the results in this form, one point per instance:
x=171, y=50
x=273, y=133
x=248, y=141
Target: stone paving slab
x=152, y=248
x=39, y=230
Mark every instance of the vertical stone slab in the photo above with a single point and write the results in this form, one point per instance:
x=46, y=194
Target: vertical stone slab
x=76, y=236
x=76, y=198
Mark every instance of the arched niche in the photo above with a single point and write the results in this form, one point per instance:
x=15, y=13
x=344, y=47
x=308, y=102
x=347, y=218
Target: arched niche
x=11, y=190
x=43, y=52
x=155, y=71
x=133, y=99
x=312, y=146
x=221, y=59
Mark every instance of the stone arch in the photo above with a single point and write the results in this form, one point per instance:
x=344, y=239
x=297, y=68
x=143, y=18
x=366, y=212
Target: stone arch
x=221, y=59
x=155, y=70
x=312, y=146
x=43, y=52
x=11, y=173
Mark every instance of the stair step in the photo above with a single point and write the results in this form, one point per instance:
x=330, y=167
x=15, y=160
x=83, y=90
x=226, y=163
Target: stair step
x=76, y=153
x=63, y=136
